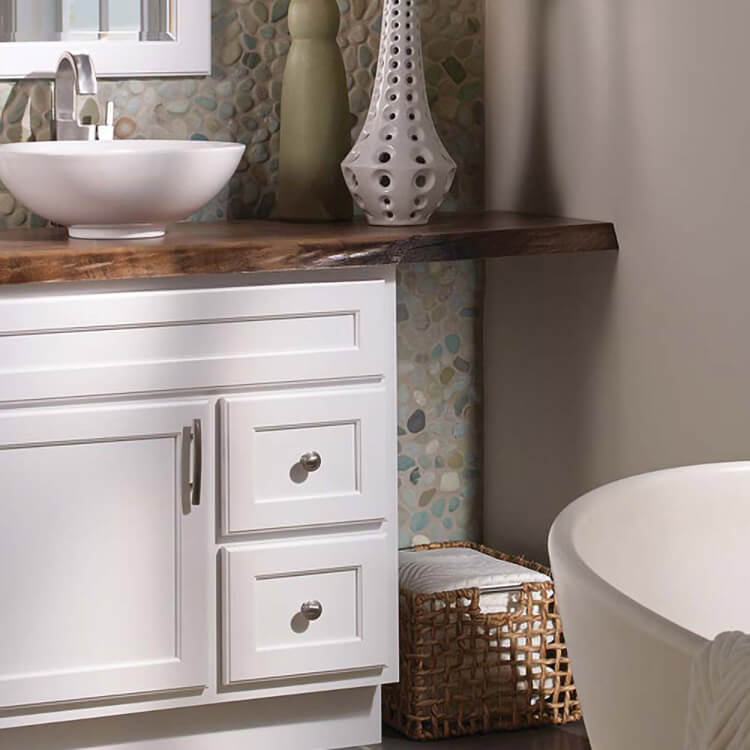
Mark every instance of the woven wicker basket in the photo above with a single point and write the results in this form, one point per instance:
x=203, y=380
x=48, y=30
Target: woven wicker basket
x=465, y=672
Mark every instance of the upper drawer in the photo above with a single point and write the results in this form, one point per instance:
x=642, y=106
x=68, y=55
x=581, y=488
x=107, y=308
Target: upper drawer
x=305, y=458
x=55, y=346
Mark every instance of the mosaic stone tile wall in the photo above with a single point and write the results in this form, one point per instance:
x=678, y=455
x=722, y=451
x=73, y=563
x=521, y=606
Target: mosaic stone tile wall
x=439, y=305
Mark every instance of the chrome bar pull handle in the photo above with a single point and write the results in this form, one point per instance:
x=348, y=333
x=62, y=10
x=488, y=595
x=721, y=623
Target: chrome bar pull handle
x=195, y=486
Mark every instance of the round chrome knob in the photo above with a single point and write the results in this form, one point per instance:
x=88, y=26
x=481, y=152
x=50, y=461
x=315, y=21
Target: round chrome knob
x=310, y=461
x=312, y=610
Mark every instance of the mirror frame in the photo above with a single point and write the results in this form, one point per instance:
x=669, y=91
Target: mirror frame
x=187, y=55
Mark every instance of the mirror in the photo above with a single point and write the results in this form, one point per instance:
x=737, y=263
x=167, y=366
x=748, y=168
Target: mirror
x=89, y=20
x=126, y=38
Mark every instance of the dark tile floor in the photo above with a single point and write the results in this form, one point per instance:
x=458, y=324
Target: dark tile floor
x=569, y=737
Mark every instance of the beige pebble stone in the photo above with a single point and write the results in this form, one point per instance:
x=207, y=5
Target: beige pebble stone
x=362, y=79
x=178, y=106
x=445, y=109
x=7, y=204
x=179, y=129
x=358, y=33
x=248, y=20
x=124, y=127
x=450, y=482
x=434, y=391
x=17, y=218
x=234, y=29
x=194, y=122
x=358, y=101
x=231, y=52
x=41, y=96
x=268, y=51
x=350, y=58
x=211, y=126
x=455, y=460
x=447, y=89
x=427, y=11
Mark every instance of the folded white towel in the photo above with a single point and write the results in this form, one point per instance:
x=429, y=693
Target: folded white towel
x=719, y=699
x=451, y=568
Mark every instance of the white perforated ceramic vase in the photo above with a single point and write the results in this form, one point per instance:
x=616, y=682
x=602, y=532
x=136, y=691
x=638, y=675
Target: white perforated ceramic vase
x=399, y=172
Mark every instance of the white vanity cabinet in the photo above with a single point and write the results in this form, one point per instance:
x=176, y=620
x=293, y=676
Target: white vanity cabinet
x=198, y=511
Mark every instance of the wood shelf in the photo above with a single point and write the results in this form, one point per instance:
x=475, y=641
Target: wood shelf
x=47, y=255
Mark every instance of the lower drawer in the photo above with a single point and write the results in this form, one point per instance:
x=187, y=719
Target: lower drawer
x=306, y=608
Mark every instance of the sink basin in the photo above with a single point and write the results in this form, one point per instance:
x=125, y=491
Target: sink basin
x=117, y=189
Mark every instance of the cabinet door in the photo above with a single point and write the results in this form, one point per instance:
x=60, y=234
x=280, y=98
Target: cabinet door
x=102, y=552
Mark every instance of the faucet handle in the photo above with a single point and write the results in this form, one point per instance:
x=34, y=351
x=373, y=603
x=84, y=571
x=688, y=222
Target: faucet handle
x=106, y=132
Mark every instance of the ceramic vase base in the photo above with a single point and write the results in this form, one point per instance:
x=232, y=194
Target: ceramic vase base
x=116, y=231
x=390, y=223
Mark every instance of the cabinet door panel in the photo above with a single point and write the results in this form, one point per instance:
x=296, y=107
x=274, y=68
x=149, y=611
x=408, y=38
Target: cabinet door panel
x=102, y=557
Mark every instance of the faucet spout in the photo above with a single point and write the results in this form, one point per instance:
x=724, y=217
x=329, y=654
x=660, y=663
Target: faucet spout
x=75, y=77
x=83, y=72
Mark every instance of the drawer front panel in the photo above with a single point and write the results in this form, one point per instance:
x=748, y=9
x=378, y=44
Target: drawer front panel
x=278, y=595
x=266, y=439
x=345, y=583
x=89, y=344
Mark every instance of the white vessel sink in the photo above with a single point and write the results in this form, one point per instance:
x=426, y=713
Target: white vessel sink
x=117, y=189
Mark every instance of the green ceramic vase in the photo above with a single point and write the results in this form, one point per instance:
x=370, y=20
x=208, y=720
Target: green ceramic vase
x=315, y=125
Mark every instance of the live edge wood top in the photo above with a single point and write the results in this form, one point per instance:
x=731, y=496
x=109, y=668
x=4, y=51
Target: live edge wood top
x=47, y=255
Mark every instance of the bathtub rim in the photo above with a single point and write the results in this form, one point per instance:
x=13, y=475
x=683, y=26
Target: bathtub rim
x=565, y=553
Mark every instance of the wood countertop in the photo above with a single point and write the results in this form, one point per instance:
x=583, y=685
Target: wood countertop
x=47, y=255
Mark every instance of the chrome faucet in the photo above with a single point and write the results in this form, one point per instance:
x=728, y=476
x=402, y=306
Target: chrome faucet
x=76, y=77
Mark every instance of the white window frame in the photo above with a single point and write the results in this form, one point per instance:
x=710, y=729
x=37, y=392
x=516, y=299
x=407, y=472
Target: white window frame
x=188, y=54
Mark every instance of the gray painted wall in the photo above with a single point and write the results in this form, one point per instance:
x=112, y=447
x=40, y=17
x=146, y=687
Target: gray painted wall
x=600, y=367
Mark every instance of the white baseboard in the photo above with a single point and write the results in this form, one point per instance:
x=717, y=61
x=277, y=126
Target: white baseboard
x=320, y=721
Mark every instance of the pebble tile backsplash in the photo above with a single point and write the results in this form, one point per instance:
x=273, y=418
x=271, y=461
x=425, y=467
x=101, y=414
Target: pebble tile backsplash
x=439, y=305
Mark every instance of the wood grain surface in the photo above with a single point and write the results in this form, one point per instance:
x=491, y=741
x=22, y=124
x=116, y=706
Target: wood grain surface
x=47, y=255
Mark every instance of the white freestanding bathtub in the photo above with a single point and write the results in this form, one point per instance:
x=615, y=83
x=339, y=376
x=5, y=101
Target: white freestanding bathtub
x=647, y=569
